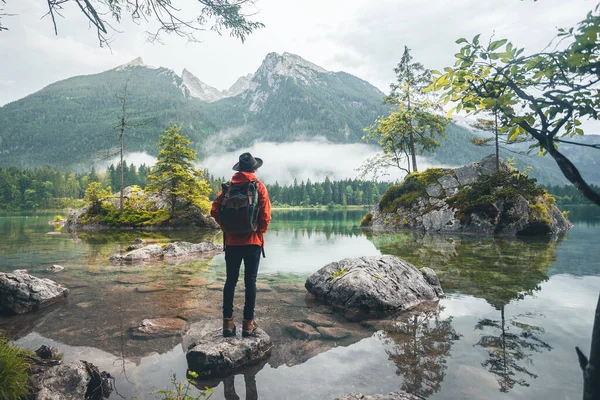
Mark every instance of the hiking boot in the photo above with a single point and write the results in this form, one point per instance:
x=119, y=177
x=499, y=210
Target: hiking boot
x=228, y=327
x=248, y=328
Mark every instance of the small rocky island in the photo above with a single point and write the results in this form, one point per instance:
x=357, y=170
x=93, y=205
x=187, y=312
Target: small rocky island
x=143, y=210
x=475, y=198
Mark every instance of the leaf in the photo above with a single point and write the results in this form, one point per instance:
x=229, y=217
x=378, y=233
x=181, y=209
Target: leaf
x=450, y=112
x=461, y=40
x=496, y=44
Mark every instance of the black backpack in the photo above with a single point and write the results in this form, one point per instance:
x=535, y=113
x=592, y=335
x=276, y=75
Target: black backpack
x=239, y=207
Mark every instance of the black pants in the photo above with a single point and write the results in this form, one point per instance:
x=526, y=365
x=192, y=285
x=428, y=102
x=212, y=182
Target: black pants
x=233, y=259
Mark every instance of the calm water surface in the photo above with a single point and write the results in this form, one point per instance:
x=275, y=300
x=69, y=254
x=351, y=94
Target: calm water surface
x=507, y=329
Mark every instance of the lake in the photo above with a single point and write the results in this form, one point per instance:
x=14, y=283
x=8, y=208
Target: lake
x=507, y=328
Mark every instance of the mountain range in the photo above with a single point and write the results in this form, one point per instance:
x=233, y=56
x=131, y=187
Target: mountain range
x=73, y=122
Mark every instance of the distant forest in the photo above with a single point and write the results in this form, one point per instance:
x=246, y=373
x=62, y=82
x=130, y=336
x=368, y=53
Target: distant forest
x=50, y=188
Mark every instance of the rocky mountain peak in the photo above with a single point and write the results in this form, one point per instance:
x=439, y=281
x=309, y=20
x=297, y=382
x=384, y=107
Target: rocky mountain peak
x=240, y=86
x=136, y=62
x=198, y=89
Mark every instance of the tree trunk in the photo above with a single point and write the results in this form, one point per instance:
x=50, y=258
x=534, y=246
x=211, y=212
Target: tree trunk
x=412, y=151
x=497, y=145
x=591, y=367
x=122, y=145
x=572, y=174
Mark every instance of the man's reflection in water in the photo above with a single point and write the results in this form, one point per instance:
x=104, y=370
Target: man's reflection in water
x=249, y=374
x=251, y=392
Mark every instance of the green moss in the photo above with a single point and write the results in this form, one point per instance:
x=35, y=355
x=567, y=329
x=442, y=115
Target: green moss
x=502, y=186
x=413, y=187
x=366, y=220
x=14, y=371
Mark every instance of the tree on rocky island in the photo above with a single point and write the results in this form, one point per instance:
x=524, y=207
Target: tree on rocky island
x=412, y=127
x=544, y=96
x=216, y=15
x=174, y=175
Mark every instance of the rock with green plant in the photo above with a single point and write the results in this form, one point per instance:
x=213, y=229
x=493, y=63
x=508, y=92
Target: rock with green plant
x=476, y=198
x=21, y=293
x=367, y=287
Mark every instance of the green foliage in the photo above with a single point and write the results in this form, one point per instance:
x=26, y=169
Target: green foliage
x=487, y=190
x=185, y=391
x=174, y=173
x=14, y=372
x=366, y=220
x=543, y=96
x=413, y=187
x=411, y=128
x=569, y=195
x=95, y=196
x=338, y=273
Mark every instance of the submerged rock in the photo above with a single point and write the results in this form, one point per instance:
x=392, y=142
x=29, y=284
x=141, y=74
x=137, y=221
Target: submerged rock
x=171, y=250
x=475, y=198
x=158, y=327
x=300, y=330
x=390, y=396
x=21, y=293
x=375, y=285
x=72, y=381
x=209, y=354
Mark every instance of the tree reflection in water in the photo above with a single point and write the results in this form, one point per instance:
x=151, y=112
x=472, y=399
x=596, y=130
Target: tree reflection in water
x=420, y=343
x=510, y=345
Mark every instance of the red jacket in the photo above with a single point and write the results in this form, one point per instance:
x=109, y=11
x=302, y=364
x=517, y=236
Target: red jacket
x=264, y=216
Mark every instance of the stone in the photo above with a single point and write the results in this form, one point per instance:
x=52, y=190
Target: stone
x=197, y=282
x=133, y=279
x=263, y=287
x=215, y=286
x=448, y=182
x=430, y=276
x=155, y=287
x=46, y=352
x=71, y=381
x=333, y=333
x=438, y=220
x=182, y=249
x=142, y=254
x=316, y=320
x=434, y=190
x=158, y=327
x=209, y=354
x=288, y=287
x=300, y=330
x=56, y=268
x=374, y=285
x=390, y=396
x=85, y=304
x=21, y=293
x=467, y=174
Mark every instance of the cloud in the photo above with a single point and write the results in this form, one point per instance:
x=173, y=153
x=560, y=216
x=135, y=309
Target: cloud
x=314, y=160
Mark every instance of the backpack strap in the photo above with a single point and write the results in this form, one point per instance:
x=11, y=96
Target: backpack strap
x=226, y=194
x=252, y=185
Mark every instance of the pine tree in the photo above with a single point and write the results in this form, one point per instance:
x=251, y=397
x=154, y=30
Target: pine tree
x=174, y=174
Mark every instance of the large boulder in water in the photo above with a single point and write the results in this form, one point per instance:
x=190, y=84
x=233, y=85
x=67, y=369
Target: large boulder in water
x=72, y=381
x=373, y=286
x=21, y=292
x=475, y=198
x=209, y=354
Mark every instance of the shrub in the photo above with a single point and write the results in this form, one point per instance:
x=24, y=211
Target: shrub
x=413, y=187
x=366, y=220
x=14, y=372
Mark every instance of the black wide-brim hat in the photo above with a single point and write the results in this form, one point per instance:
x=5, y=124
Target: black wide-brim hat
x=248, y=163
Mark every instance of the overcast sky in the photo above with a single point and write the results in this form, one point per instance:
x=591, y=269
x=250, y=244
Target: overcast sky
x=362, y=37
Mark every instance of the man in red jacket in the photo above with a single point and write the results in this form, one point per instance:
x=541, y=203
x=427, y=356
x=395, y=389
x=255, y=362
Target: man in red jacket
x=247, y=247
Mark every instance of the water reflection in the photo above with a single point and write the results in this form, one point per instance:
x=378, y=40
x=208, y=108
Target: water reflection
x=229, y=391
x=510, y=345
x=498, y=269
x=420, y=343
